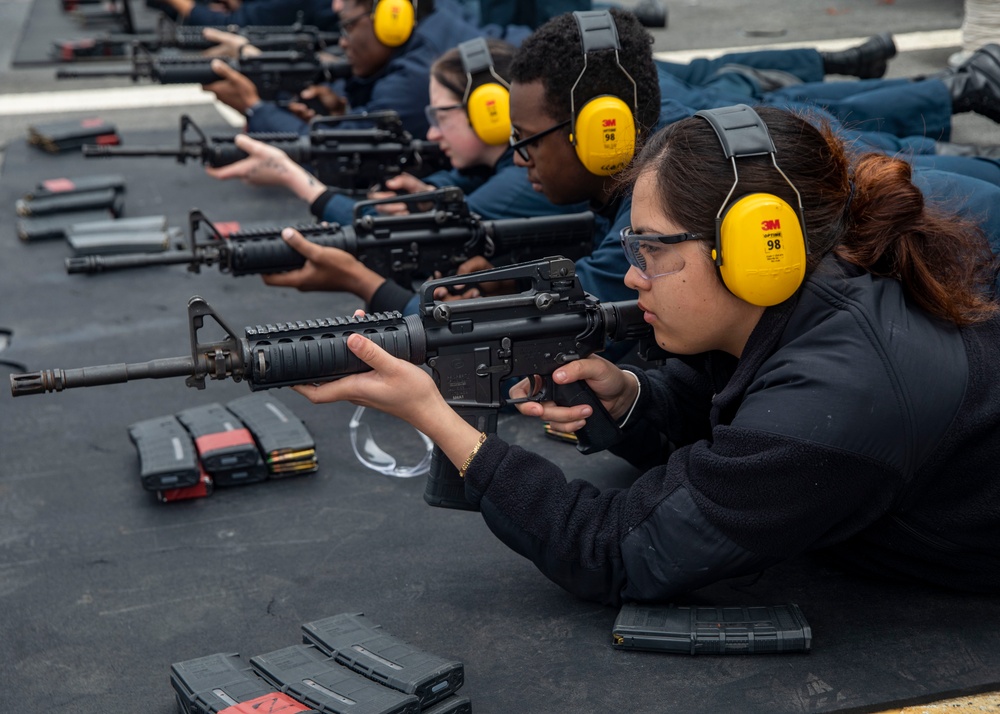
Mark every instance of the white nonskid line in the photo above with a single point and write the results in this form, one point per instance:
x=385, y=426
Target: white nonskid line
x=89, y=100
x=153, y=96
x=907, y=42
x=144, y=97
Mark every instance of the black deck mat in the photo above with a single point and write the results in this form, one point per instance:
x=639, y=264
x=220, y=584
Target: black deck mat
x=102, y=588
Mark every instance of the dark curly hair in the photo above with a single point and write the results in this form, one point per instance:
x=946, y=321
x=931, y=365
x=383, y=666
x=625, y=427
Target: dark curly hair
x=554, y=55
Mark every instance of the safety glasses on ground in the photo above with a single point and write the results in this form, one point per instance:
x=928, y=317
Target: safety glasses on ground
x=653, y=254
x=432, y=112
x=371, y=455
x=521, y=145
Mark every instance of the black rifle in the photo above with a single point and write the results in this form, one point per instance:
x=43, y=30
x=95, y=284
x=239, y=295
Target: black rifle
x=169, y=36
x=352, y=160
x=401, y=248
x=275, y=74
x=473, y=347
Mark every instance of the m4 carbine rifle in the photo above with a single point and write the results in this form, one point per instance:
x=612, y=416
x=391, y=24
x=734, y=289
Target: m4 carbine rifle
x=352, y=160
x=402, y=248
x=168, y=35
x=275, y=74
x=472, y=347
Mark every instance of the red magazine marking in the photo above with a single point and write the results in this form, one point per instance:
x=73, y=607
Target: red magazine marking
x=58, y=185
x=200, y=490
x=276, y=703
x=222, y=439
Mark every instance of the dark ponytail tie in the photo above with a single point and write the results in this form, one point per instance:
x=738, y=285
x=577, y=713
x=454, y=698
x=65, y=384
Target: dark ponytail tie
x=850, y=198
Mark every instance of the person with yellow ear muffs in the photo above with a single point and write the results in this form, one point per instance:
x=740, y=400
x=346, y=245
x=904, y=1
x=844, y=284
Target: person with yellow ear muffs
x=390, y=45
x=584, y=95
x=612, y=86
x=552, y=78
x=553, y=81
x=469, y=117
x=850, y=411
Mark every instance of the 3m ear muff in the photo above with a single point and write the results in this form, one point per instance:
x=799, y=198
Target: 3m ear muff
x=488, y=105
x=604, y=127
x=393, y=21
x=760, y=240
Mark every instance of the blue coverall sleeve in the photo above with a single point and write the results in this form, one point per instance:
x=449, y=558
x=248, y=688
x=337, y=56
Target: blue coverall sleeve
x=603, y=271
x=259, y=12
x=805, y=64
x=340, y=209
x=268, y=117
x=403, y=90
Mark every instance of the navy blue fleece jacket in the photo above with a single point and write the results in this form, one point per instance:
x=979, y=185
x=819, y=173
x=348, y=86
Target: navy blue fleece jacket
x=853, y=422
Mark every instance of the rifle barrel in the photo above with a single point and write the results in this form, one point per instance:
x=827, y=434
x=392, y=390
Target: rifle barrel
x=93, y=72
x=100, y=151
x=105, y=263
x=56, y=380
x=511, y=233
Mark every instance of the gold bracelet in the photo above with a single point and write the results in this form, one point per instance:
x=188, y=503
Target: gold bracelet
x=472, y=455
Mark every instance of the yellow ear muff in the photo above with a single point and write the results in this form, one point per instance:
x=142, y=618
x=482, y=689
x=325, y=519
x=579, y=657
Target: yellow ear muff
x=488, y=107
x=763, y=254
x=604, y=135
x=393, y=21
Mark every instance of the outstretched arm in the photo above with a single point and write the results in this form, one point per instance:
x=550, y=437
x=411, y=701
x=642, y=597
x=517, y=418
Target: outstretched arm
x=267, y=165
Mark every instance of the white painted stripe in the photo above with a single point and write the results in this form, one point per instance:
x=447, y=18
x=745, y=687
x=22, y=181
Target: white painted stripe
x=142, y=97
x=233, y=117
x=908, y=42
x=175, y=95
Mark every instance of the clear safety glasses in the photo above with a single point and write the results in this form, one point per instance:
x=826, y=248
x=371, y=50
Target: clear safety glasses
x=347, y=24
x=653, y=254
x=433, y=113
x=521, y=145
x=371, y=455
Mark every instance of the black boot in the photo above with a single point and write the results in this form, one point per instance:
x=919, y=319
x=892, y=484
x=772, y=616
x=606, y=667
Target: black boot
x=651, y=13
x=974, y=85
x=868, y=60
x=946, y=148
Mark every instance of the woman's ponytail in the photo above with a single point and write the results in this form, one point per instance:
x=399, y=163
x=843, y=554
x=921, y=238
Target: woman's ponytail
x=944, y=261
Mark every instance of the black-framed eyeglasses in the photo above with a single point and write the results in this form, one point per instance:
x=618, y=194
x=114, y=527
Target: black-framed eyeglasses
x=521, y=145
x=347, y=25
x=653, y=254
x=431, y=112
